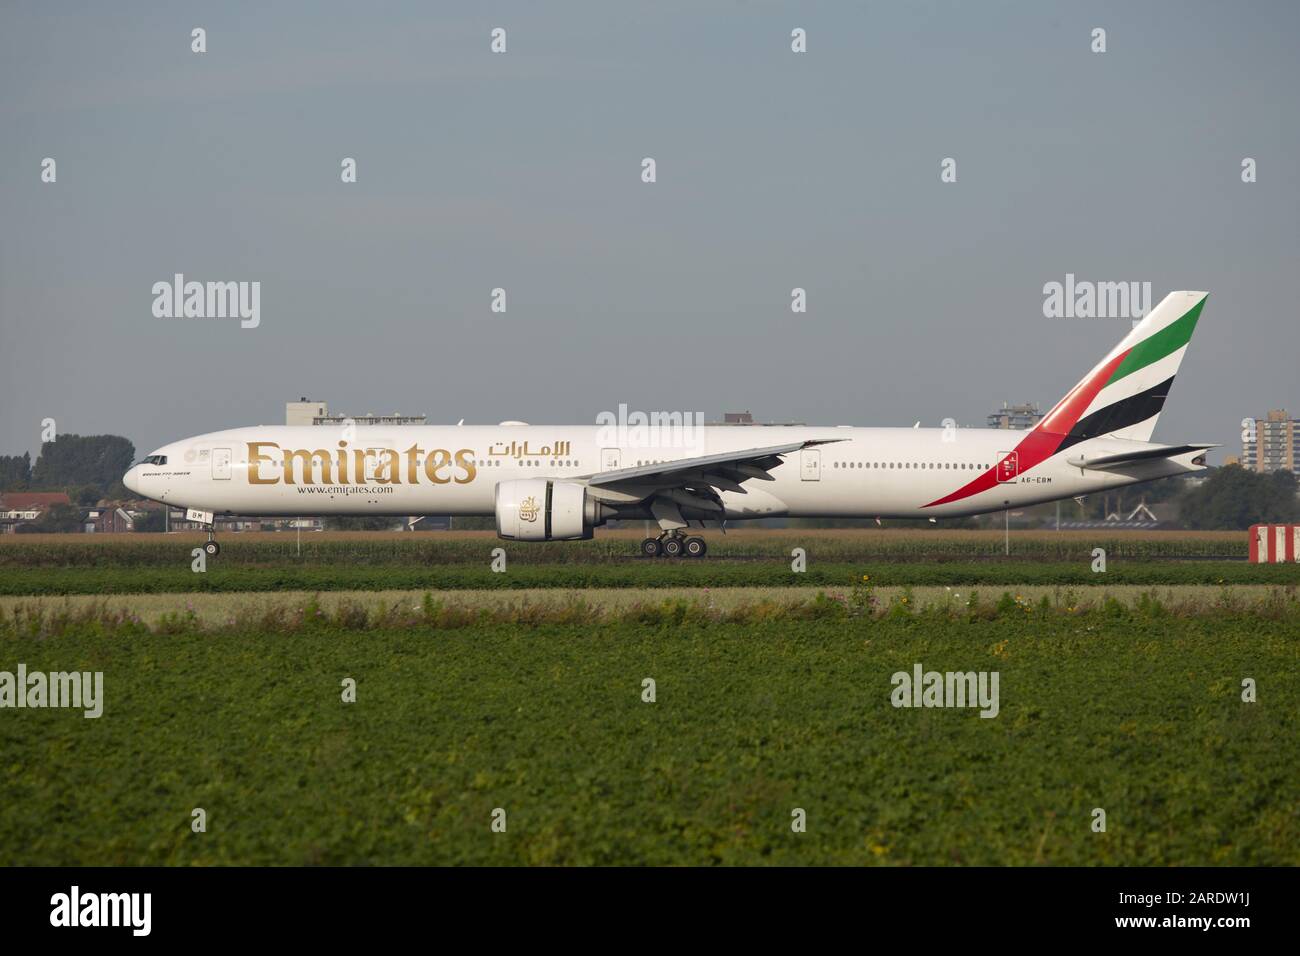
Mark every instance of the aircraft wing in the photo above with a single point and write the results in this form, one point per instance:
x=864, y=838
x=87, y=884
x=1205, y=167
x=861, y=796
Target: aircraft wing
x=694, y=483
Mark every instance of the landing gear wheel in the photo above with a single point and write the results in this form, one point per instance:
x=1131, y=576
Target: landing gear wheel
x=696, y=548
x=650, y=547
x=673, y=547
x=212, y=549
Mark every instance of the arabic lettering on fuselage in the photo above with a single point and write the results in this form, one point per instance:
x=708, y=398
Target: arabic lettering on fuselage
x=500, y=449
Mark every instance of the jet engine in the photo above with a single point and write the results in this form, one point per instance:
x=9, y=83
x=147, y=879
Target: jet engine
x=538, y=509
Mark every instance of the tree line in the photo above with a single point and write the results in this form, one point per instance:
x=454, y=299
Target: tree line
x=86, y=467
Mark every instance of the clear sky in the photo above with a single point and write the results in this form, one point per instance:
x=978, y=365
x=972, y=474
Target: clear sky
x=522, y=170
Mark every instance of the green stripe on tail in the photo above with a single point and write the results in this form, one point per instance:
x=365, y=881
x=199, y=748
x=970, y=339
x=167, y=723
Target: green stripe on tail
x=1169, y=339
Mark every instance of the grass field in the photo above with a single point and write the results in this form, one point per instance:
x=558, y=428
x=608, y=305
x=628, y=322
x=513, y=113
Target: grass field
x=523, y=691
x=224, y=608
x=1134, y=710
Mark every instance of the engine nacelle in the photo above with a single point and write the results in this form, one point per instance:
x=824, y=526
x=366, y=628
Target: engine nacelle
x=538, y=509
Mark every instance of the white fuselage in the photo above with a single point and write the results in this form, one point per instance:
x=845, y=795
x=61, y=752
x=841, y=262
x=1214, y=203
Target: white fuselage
x=454, y=470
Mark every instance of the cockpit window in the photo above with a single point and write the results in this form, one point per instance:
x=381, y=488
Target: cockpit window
x=154, y=460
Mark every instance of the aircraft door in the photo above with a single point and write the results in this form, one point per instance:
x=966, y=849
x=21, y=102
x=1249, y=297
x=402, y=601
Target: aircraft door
x=221, y=464
x=810, y=464
x=611, y=459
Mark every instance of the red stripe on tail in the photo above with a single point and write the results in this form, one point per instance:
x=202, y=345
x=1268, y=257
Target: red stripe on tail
x=1045, y=437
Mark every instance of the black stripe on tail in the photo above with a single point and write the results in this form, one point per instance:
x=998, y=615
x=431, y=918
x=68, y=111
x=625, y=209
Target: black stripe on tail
x=1122, y=414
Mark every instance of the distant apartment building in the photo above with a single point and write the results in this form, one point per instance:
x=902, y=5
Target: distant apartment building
x=304, y=411
x=746, y=418
x=370, y=418
x=1015, y=416
x=308, y=412
x=1272, y=444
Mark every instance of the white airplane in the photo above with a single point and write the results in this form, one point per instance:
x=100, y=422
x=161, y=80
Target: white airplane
x=546, y=483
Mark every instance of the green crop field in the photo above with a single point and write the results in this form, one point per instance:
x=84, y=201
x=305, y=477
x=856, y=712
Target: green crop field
x=423, y=550
x=761, y=708
x=633, y=573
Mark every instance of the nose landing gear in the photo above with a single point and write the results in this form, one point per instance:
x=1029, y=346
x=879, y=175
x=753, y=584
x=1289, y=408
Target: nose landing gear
x=211, y=548
x=674, y=544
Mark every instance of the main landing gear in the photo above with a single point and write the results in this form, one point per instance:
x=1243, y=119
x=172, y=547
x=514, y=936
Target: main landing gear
x=674, y=544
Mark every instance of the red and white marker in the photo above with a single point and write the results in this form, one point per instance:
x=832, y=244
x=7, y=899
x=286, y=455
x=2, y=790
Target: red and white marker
x=1274, y=543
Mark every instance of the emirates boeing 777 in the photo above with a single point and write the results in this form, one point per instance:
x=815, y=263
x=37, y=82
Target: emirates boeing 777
x=544, y=483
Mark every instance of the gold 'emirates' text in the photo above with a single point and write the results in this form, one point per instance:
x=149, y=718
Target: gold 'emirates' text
x=357, y=466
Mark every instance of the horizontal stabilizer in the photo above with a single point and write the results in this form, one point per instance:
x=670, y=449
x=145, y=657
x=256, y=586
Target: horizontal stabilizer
x=1143, y=451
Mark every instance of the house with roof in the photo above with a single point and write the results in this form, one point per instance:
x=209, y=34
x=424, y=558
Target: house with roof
x=108, y=517
x=23, y=507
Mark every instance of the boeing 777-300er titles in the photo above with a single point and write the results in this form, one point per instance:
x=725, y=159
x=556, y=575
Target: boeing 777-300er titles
x=545, y=483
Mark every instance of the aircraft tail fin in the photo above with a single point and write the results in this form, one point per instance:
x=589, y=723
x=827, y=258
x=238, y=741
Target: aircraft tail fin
x=1124, y=393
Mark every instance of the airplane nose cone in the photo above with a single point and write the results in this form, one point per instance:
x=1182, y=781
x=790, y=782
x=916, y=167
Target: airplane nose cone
x=130, y=479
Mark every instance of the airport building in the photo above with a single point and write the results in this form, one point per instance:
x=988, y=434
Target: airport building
x=1272, y=443
x=308, y=412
